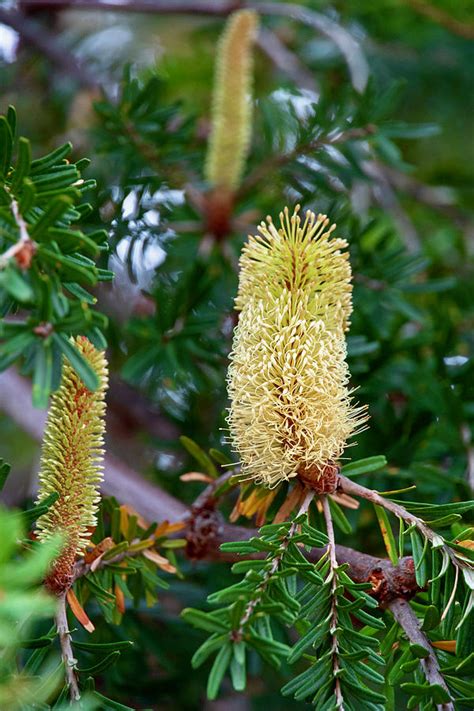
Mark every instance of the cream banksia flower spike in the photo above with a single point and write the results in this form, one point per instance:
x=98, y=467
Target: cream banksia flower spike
x=71, y=463
x=291, y=410
x=232, y=107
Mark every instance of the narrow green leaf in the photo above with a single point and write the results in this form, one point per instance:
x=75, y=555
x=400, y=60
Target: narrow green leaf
x=339, y=517
x=419, y=651
x=238, y=674
x=99, y=647
x=16, y=284
x=203, y=620
x=199, y=455
x=431, y=619
x=211, y=645
x=40, y=165
x=6, y=143
x=110, y=704
x=82, y=366
x=221, y=662
x=42, y=375
x=4, y=472
x=420, y=549
x=54, y=211
x=219, y=457
x=23, y=163
x=102, y=665
x=387, y=533
x=364, y=466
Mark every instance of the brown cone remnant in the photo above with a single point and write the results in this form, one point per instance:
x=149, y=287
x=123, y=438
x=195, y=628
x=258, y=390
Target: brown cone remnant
x=321, y=479
x=218, y=206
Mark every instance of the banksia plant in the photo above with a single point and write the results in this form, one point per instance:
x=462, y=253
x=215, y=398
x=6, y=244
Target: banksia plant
x=231, y=108
x=291, y=410
x=71, y=463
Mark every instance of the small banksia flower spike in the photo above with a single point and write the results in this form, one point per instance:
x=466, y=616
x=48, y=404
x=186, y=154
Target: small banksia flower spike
x=71, y=463
x=232, y=108
x=291, y=409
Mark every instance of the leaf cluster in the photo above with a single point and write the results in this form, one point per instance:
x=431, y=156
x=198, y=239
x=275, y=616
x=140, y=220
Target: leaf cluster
x=47, y=263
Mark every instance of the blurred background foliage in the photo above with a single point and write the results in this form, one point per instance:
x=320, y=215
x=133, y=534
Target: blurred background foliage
x=392, y=165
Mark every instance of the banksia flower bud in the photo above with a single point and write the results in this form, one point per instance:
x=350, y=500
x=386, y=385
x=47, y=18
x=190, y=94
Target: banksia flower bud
x=71, y=463
x=231, y=109
x=291, y=411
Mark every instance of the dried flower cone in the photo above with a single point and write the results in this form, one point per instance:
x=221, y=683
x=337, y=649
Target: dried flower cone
x=291, y=411
x=71, y=463
x=231, y=109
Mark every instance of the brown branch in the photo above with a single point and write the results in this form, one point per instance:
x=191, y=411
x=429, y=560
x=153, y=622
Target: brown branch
x=172, y=7
x=352, y=488
x=225, y=7
x=206, y=528
x=119, y=480
x=66, y=649
x=410, y=624
x=134, y=413
x=466, y=438
x=347, y=45
x=36, y=35
x=441, y=17
x=285, y=60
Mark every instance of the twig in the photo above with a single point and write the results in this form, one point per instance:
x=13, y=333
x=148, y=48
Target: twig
x=207, y=498
x=409, y=622
x=177, y=7
x=285, y=60
x=334, y=616
x=278, y=160
x=25, y=247
x=467, y=442
x=347, y=45
x=351, y=487
x=237, y=634
x=66, y=649
x=438, y=197
x=443, y=18
x=46, y=42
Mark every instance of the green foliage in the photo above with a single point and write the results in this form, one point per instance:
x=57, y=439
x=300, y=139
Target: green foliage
x=22, y=604
x=361, y=158
x=47, y=264
x=352, y=653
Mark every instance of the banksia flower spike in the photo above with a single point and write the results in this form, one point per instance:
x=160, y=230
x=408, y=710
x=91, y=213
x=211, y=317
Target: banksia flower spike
x=231, y=109
x=291, y=410
x=71, y=463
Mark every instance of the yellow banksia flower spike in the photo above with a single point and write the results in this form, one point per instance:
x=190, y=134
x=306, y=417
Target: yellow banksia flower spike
x=291, y=410
x=232, y=107
x=71, y=463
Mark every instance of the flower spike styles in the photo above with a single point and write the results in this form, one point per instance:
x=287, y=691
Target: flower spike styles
x=71, y=463
x=299, y=258
x=291, y=409
x=232, y=107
